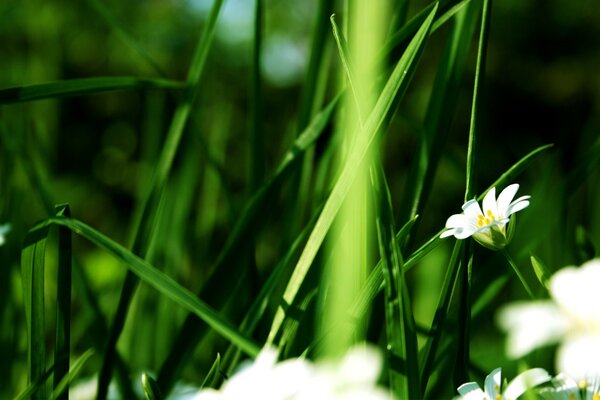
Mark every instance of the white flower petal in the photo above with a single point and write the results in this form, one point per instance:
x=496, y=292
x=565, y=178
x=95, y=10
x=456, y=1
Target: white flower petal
x=471, y=391
x=209, y=394
x=565, y=388
x=517, y=206
x=575, y=290
x=505, y=198
x=489, y=203
x=361, y=365
x=472, y=210
x=493, y=382
x=579, y=356
x=524, y=381
x=457, y=221
x=530, y=325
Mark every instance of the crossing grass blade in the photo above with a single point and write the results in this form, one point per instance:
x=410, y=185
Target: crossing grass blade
x=125, y=36
x=400, y=324
x=228, y=261
x=145, y=225
x=393, y=90
x=62, y=348
x=61, y=389
x=440, y=111
x=84, y=87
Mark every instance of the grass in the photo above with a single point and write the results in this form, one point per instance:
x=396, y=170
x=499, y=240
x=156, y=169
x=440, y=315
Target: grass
x=206, y=211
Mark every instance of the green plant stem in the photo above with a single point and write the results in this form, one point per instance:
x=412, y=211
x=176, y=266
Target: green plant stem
x=518, y=272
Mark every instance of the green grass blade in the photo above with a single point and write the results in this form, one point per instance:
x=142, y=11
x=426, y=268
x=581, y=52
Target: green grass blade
x=83, y=87
x=250, y=220
x=213, y=373
x=32, y=269
x=349, y=68
x=150, y=388
x=62, y=350
x=34, y=386
x=440, y=110
x=400, y=325
x=257, y=154
x=153, y=277
x=439, y=320
x=462, y=360
x=146, y=224
x=391, y=93
x=61, y=389
x=541, y=271
x=476, y=103
x=122, y=33
x=516, y=169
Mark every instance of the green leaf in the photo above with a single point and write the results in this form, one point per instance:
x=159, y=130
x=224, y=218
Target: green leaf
x=83, y=87
x=541, y=271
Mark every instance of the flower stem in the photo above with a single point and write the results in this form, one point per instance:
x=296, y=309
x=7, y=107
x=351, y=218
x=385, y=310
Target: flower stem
x=518, y=272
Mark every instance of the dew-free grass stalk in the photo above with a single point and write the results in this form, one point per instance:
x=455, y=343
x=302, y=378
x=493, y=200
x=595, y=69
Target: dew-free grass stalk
x=62, y=348
x=518, y=273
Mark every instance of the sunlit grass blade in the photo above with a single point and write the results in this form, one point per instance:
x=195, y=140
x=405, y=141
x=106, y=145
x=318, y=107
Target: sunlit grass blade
x=541, y=271
x=32, y=270
x=147, y=220
x=269, y=293
x=83, y=87
x=228, y=262
x=62, y=349
x=213, y=373
x=394, y=89
x=126, y=37
x=400, y=324
x=150, y=388
x=61, y=389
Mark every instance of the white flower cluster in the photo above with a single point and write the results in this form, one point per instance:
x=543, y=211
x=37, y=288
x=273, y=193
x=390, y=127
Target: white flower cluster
x=493, y=389
x=353, y=378
x=571, y=317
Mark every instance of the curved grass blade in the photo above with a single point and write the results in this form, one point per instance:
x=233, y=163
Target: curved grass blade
x=83, y=87
x=213, y=373
x=393, y=90
x=150, y=388
x=152, y=276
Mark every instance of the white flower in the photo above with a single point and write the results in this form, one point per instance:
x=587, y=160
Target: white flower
x=571, y=317
x=566, y=388
x=354, y=378
x=4, y=229
x=488, y=227
x=493, y=385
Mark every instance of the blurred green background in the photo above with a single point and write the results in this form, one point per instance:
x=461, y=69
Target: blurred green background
x=97, y=152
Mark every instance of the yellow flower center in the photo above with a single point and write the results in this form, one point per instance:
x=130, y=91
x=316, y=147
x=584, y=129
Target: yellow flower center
x=596, y=396
x=485, y=220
